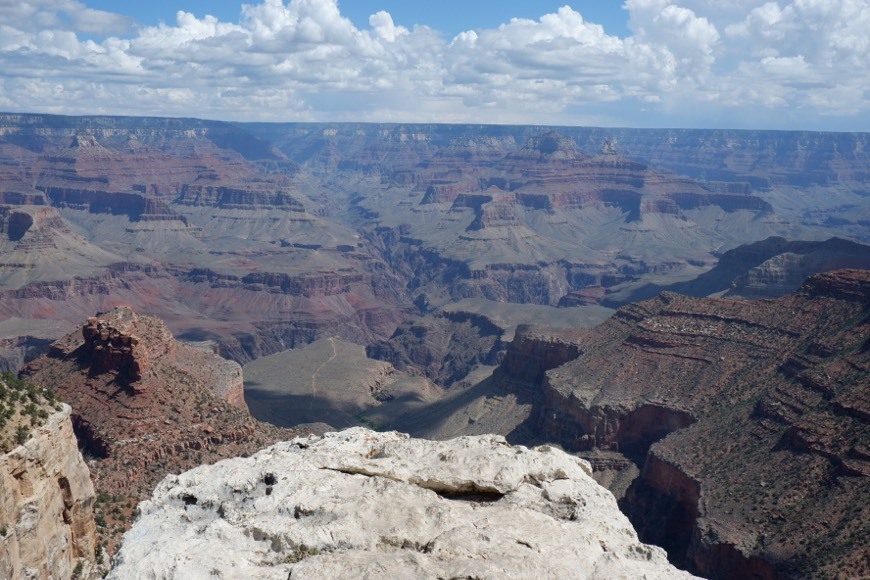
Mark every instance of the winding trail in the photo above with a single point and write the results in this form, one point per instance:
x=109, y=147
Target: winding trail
x=323, y=364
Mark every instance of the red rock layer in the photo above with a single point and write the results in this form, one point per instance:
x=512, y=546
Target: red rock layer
x=145, y=404
x=768, y=414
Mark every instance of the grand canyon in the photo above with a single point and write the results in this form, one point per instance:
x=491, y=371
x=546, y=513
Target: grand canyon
x=217, y=315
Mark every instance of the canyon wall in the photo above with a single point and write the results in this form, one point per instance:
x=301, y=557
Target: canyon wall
x=741, y=416
x=46, y=504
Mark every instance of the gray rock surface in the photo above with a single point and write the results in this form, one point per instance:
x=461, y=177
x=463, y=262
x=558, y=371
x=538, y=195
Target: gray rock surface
x=361, y=504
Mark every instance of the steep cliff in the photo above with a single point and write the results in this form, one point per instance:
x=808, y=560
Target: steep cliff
x=749, y=420
x=364, y=504
x=46, y=504
x=734, y=431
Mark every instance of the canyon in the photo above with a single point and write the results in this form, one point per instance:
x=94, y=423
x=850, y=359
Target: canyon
x=660, y=303
x=747, y=420
x=264, y=237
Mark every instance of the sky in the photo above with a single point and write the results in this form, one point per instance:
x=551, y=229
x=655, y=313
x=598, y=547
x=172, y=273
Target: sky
x=744, y=64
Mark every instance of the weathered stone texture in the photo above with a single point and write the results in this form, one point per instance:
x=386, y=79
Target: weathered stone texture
x=359, y=504
x=46, y=504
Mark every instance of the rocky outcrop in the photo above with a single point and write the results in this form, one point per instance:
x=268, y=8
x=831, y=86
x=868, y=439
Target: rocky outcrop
x=110, y=345
x=187, y=406
x=359, y=503
x=116, y=350
x=738, y=413
x=46, y=504
x=535, y=350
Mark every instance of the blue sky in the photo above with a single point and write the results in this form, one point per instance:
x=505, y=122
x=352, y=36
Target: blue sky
x=767, y=64
x=448, y=16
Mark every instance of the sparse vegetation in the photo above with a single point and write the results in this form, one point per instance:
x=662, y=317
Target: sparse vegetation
x=300, y=554
x=370, y=423
x=22, y=407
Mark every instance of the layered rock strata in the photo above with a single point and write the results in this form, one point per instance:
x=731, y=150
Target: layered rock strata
x=358, y=503
x=146, y=409
x=749, y=420
x=46, y=504
x=767, y=269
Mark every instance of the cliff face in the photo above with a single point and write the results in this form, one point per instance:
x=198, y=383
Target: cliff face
x=359, y=503
x=46, y=504
x=749, y=420
x=534, y=351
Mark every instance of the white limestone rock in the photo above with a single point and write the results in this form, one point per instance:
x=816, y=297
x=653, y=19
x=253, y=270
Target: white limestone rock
x=361, y=504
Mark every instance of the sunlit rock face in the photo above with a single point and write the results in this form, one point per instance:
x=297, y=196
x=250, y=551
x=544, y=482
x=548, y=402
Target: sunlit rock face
x=359, y=503
x=46, y=504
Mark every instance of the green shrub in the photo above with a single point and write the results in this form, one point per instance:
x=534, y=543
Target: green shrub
x=22, y=434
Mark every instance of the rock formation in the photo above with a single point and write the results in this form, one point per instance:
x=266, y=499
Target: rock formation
x=767, y=269
x=749, y=420
x=145, y=405
x=270, y=236
x=46, y=504
x=359, y=504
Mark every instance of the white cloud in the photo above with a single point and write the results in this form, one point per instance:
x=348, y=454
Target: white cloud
x=36, y=15
x=688, y=61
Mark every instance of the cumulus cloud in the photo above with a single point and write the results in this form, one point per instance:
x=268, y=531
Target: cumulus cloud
x=703, y=62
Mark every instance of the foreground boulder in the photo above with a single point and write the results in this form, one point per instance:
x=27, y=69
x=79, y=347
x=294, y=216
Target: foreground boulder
x=362, y=504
